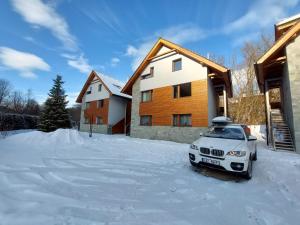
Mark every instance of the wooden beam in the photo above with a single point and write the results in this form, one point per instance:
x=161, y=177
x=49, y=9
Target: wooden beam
x=281, y=59
x=162, y=54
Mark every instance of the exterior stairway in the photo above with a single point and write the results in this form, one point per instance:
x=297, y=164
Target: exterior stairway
x=282, y=138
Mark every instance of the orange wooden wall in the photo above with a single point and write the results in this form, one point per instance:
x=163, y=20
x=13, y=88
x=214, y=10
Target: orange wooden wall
x=163, y=105
x=93, y=111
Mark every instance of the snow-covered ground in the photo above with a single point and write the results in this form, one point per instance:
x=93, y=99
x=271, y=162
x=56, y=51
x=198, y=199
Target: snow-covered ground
x=65, y=177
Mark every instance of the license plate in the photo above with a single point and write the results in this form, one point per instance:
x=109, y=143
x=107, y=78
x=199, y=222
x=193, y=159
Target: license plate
x=211, y=161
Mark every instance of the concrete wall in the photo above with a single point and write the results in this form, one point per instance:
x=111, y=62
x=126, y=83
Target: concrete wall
x=178, y=134
x=293, y=59
x=212, y=106
x=116, y=111
x=164, y=76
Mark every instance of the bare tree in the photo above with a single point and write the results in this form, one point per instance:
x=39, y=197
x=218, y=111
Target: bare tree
x=247, y=106
x=17, y=102
x=5, y=89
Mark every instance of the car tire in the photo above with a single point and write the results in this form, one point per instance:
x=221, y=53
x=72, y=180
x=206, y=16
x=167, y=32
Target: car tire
x=248, y=173
x=193, y=164
x=255, y=156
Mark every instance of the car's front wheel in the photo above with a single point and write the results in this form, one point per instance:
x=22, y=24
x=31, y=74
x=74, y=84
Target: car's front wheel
x=248, y=173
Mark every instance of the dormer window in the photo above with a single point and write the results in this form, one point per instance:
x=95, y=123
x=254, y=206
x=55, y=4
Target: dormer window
x=89, y=91
x=176, y=65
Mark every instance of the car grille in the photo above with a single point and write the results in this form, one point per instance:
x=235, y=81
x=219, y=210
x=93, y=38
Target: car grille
x=204, y=150
x=217, y=152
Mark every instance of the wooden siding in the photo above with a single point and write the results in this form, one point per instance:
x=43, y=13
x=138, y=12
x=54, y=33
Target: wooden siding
x=93, y=111
x=163, y=105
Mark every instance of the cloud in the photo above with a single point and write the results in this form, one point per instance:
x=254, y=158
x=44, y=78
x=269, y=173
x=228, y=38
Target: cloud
x=44, y=15
x=80, y=63
x=114, y=61
x=180, y=34
x=261, y=14
x=71, y=97
x=25, y=63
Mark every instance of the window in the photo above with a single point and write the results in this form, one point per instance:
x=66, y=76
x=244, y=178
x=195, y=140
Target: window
x=149, y=75
x=99, y=120
x=146, y=120
x=182, y=120
x=182, y=90
x=87, y=105
x=89, y=91
x=175, y=91
x=185, y=90
x=86, y=120
x=100, y=104
x=99, y=87
x=177, y=65
x=146, y=96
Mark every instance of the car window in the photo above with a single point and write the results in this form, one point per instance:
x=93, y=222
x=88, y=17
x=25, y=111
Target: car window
x=225, y=132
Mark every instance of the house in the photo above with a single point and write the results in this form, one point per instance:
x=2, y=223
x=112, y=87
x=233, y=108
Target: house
x=278, y=76
x=104, y=109
x=176, y=93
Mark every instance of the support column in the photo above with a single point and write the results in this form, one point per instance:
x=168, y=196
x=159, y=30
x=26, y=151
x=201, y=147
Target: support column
x=225, y=101
x=267, y=100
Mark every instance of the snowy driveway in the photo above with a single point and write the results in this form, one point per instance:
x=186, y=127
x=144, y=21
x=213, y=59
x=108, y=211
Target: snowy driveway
x=65, y=177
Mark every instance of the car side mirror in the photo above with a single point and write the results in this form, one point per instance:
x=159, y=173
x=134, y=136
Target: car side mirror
x=201, y=134
x=252, y=138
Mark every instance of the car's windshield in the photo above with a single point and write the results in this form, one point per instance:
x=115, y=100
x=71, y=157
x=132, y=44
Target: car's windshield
x=225, y=132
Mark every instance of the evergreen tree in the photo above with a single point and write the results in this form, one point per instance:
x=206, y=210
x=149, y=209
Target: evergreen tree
x=55, y=114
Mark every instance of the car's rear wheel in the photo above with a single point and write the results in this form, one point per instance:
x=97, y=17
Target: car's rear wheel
x=248, y=173
x=255, y=156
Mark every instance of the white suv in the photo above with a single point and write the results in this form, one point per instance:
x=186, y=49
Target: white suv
x=227, y=147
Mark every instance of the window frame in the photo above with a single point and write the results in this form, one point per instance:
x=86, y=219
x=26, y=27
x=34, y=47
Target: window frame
x=99, y=87
x=146, y=124
x=89, y=91
x=97, y=120
x=177, y=89
x=148, y=75
x=100, y=106
x=143, y=92
x=87, y=105
x=174, y=64
x=177, y=118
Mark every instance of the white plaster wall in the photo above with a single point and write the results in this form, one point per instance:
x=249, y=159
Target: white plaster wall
x=116, y=110
x=96, y=95
x=163, y=49
x=212, y=106
x=163, y=75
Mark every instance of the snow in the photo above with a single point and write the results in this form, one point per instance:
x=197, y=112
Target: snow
x=115, y=86
x=65, y=177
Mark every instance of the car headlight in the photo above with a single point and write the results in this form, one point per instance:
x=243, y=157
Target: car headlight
x=237, y=153
x=194, y=147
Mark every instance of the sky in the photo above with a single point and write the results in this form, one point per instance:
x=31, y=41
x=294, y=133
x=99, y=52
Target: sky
x=40, y=39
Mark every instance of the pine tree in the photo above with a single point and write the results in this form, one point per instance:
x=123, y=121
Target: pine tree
x=55, y=114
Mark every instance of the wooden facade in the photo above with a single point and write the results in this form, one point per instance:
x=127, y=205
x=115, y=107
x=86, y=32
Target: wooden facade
x=94, y=111
x=163, y=105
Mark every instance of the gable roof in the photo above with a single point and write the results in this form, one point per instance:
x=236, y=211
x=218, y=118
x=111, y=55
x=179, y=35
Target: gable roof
x=112, y=85
x=291, y=34
x=174, y=47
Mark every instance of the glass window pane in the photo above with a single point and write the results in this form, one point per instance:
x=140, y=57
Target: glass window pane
x=177, y=65
x=175, y=91
x=185, y=120
x=185, y=90
x=146, y=96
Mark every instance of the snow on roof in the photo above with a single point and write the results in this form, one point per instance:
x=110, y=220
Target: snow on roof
x=115, y=86
x=286, y=20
